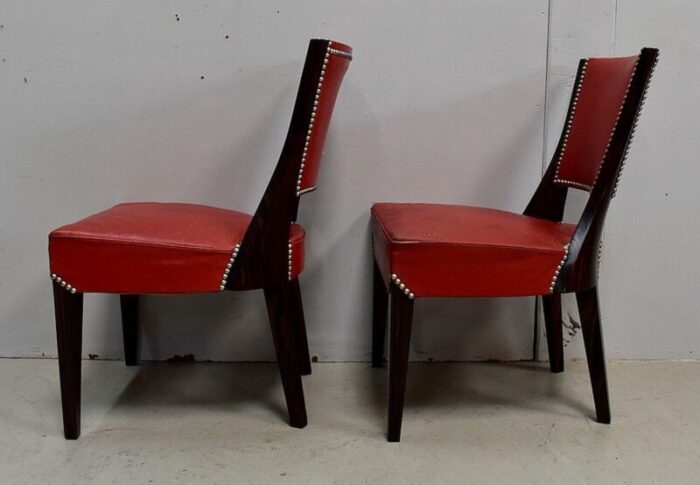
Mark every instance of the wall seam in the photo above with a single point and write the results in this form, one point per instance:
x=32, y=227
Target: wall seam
x=537, y=337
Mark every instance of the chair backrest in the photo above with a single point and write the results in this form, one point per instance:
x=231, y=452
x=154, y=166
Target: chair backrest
x=327, y=78
x=603, y=112
x=262, y=257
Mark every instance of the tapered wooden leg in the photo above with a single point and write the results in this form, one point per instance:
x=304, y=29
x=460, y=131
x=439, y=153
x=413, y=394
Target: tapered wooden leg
x=589, y=312
x=130, y=328
x=401, y=321
x=302, y=342
x=380, y=302
x=280, y=308
x=551, y=304
x=69, y=336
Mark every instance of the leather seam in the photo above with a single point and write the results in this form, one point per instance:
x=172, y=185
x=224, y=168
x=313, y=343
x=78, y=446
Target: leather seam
x=143, y=244
x=408, y=242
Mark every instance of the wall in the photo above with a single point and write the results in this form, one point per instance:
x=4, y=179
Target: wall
x=105, y=103
x=649, y=269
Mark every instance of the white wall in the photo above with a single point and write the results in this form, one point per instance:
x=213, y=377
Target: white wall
x=443, y=102
x=649, y=269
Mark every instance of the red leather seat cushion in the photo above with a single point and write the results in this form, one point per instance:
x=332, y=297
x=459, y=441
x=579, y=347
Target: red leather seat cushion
x=152, y=247
x=452, y=250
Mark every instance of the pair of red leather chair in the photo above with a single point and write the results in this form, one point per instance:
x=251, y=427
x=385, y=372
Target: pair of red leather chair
x=420, y=250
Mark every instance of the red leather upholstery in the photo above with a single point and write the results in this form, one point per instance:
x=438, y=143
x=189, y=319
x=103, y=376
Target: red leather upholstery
x=153, y=247
x=603, y=90
x=338, y=62
x=451, y=250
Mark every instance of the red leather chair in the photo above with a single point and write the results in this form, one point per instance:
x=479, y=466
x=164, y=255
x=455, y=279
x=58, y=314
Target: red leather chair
x=157, y=248
x=434, y=250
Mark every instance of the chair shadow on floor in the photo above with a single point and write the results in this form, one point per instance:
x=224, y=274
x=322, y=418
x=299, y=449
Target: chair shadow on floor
x=483, y=387
x=197, y=386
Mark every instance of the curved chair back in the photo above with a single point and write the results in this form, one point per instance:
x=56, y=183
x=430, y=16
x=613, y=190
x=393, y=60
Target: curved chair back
x=603, y=112
x=263, y=255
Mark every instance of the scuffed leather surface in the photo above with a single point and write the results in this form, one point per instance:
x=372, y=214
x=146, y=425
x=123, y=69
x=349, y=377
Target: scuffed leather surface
x=600, y=100
x=452, y=250
x=333, y=77
x=153, y=247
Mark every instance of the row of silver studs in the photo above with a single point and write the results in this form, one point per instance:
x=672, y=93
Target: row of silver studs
x=64, y=283
x=289, y=261
x=634, y=127
x=310, y=130
x=338, y=52
x=229, y=265
x=559, y=267
x=600, y=257
x=569, y=123
x=617, y=119
x=402, y=286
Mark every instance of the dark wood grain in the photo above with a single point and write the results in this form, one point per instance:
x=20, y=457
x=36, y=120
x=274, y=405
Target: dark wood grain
x=279, y=301
x=380, y=302
x=593, y=340
x=399, y=346
x=69, y=336
x=262, y=259
x=300, y=337
x=551, y=306
x=130, y=327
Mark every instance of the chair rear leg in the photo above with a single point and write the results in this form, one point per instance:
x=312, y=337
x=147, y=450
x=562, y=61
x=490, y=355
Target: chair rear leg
x=380, y=302
x=280, y=308
x=401, y=322
x=130, y=328
x=589, y=313
x=302, y=342
x=69, y=336
x=551, y=304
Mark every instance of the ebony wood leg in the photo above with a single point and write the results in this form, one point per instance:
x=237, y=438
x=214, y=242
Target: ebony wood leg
x=380, y=302
x=401, y=321
x=69, y=336
x=551, y=305
x=280, y=308
x=130, y=327
x=302, y=342
x=589, y=312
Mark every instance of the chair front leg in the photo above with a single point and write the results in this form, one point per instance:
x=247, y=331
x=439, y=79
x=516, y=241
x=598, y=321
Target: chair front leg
x=589, y=313
x=69, y=336
x=130, y=328
x=302, y=341
x=380, y=303
x=280, y=308
x=551, y=305
x=399, y=344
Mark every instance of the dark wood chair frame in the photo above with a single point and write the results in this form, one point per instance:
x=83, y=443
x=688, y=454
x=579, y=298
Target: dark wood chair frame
x=261, y=263
x=578, y=275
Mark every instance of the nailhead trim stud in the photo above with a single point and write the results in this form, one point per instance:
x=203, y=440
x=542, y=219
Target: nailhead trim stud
x=634, y=127
x=289, y=261
x=612, y=133
x=229, y=265
x=310, y=129
x=617, y=120
x=559, y=267
x=64, y=284
x=402, y=286
x=569, y=123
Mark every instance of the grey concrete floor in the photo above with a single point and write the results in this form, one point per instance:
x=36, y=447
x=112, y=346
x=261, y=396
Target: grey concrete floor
x=463, y=423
